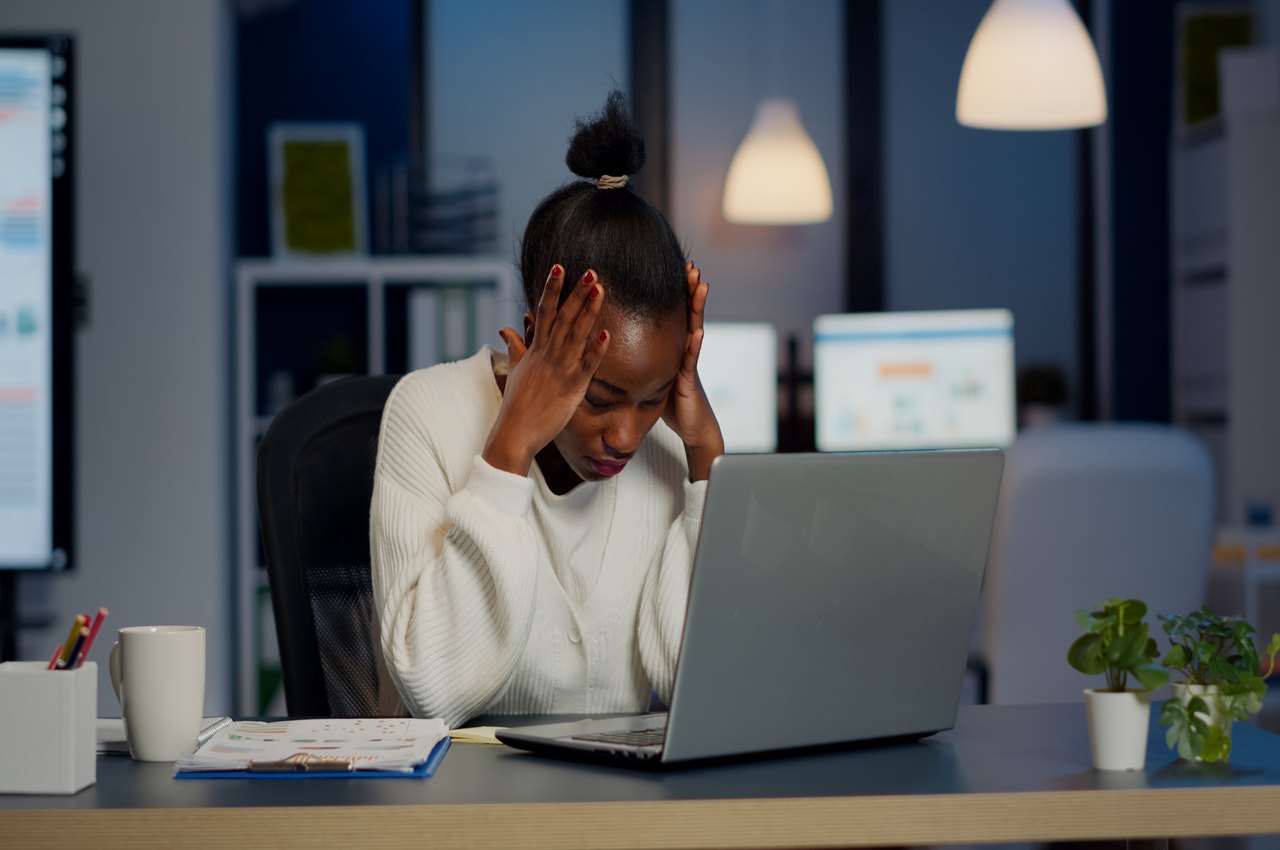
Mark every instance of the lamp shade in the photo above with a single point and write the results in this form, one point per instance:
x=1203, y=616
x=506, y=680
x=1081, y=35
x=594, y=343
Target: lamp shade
x=777, y=175
x=1031, y=66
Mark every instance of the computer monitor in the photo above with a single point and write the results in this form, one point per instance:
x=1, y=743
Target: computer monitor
x=738, y=367
x=36, y=267
x=918, y=380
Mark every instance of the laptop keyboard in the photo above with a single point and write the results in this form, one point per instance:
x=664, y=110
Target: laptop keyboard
x=630, y=738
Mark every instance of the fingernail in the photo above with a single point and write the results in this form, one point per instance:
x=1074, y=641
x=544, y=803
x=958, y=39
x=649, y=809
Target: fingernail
x=603, y=336
x=595, y=290
x=589, y=277
x=556, y=271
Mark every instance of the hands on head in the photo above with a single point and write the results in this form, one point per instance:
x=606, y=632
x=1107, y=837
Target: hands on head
x=688, y=410
x=552, y=369
x=549, y=376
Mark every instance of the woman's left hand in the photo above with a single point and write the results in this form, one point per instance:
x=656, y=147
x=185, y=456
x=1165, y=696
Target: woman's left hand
x=688, y=412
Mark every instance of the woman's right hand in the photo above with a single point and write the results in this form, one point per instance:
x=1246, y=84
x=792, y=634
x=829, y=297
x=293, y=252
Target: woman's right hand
x=547, y=378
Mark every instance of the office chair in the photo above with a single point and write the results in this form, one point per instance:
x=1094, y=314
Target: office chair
x=315, y=484
x=1086, y=512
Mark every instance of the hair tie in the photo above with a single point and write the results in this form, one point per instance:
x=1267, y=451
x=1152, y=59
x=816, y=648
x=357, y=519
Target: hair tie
x=607, y=182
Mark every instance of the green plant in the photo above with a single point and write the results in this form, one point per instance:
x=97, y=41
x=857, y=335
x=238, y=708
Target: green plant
x=1218, y=652
x=1117, y=642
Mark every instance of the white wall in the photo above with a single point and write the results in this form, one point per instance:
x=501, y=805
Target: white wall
x=974, y=218
x=726, y=56
x=507, y=80
x=152, y=228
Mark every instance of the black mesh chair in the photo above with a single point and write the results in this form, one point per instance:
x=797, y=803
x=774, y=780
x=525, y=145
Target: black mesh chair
x=315, y=483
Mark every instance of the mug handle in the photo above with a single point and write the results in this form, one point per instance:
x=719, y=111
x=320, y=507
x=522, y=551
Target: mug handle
x=113, y=666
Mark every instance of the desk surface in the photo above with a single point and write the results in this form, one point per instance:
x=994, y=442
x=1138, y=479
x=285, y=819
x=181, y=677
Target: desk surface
x=1005, y=773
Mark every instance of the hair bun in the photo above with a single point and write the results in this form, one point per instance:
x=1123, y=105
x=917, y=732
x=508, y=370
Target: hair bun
x=606, y=143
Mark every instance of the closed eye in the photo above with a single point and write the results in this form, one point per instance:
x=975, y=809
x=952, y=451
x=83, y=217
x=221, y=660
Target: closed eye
x=595, y=403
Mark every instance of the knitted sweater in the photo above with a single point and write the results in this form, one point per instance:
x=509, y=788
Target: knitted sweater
x=471, y=615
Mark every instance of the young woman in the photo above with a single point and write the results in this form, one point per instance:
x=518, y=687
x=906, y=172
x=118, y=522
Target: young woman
x=535, y=513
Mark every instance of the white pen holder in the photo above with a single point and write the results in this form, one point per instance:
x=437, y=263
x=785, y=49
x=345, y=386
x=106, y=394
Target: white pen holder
x=48, y=738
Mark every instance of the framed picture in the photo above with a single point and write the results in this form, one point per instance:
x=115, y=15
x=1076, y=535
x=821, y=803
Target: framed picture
x=317, y=190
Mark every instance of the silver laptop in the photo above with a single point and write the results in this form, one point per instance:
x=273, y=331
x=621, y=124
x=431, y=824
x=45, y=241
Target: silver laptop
x=831, y=603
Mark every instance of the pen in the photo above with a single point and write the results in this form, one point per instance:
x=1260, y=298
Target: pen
x=93, y=633
x=65, y=655
x=57, y=655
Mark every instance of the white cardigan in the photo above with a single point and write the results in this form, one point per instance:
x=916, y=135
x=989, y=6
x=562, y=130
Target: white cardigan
x=470, y=616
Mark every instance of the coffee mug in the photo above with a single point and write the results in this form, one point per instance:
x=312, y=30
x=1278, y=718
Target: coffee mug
x=158, y=676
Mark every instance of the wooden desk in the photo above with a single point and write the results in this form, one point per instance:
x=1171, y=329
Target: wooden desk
x=1006, y=773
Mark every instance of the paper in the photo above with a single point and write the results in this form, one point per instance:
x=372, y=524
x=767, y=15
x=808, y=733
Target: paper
x=396, y=745
x=476, y=735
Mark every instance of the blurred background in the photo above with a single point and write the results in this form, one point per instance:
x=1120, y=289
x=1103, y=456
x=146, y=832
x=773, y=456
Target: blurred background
x=271, y=193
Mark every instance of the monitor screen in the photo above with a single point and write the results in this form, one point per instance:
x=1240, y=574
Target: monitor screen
x=738, y=367
x=36, y=269
x=921, y=380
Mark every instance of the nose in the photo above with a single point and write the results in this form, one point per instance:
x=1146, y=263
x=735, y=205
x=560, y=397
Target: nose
x=623, y=434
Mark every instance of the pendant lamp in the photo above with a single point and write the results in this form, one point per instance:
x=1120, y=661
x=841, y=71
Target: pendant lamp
x=1031, y=66
x=777, y=175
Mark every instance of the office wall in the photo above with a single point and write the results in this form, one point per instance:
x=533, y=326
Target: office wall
x=319, y=61
x=507, y=79
x=726, y=55
x=973, y=218
x=153, y=235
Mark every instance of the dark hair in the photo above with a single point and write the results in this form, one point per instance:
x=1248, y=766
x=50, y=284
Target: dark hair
x=614, y=231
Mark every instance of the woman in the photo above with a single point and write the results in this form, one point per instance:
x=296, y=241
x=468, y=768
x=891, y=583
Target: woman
x=534, y=515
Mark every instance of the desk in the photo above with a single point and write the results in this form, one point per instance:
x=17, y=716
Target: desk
x=1005, y=773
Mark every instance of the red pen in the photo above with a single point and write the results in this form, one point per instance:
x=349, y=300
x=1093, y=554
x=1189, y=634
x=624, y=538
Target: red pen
x=93, y=633
x=53, y=662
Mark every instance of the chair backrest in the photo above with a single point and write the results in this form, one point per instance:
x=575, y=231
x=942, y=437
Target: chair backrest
x=1086, y=512
x=315, y=484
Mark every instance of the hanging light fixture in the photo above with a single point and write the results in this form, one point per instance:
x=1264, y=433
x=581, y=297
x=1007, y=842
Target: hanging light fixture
x=777, y=175
x=1031, y=66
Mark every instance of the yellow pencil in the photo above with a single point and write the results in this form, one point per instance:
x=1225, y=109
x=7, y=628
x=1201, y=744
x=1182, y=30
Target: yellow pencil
x=80, y=623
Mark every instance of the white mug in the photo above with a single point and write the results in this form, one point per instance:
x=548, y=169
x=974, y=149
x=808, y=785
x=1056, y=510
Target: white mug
x=158, y=676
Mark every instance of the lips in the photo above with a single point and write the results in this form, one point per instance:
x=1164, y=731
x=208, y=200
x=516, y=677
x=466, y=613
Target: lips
x=607, y=469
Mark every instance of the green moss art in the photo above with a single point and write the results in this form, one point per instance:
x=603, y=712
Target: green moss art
x=318, y=204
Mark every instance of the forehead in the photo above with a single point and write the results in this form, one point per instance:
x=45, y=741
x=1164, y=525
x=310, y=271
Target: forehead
x=644, y=354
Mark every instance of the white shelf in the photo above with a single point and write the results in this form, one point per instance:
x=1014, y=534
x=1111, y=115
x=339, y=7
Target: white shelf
x=1225, y=273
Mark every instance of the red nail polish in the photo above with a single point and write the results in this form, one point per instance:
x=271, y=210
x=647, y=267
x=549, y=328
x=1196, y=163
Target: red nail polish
x=556, y=271
x=595, y=290
x=603, y=336
x=589, y=277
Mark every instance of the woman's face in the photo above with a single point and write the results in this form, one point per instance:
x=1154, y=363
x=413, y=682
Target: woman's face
x=627, y=394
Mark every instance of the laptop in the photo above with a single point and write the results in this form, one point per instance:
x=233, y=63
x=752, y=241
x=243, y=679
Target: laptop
x=831, y=603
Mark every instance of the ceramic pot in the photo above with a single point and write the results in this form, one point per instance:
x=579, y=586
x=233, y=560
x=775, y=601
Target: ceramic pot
x=1118, y=722
x=1183, y=692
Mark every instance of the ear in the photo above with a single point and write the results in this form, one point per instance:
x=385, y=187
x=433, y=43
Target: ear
x=528, y=329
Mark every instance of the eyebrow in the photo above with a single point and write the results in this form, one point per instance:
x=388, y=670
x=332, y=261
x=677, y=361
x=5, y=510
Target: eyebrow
x=620, y=391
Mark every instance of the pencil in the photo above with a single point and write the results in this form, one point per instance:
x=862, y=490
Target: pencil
x=77, y=648
x=65, y=656
x=93, y=633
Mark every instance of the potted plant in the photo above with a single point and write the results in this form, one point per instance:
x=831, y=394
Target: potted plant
x=1223, y=681
x=1116, y=642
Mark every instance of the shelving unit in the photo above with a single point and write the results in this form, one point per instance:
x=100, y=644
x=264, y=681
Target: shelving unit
x=1226, y=305
x=299, y=324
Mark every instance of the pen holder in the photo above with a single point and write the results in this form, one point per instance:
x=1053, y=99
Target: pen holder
x=48, y=737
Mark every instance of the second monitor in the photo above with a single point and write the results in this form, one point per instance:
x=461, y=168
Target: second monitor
x=915, y=380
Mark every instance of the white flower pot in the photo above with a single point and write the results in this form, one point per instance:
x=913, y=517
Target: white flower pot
x=1118, y=722
x=1209, y=693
